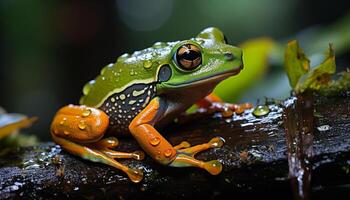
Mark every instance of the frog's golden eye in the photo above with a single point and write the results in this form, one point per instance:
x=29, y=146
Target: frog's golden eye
x=188, y=56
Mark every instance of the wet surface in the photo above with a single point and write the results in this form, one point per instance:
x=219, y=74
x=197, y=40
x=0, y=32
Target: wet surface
x=299, y=130
x=254, y=157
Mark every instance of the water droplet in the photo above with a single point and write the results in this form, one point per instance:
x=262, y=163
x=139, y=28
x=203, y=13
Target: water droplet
x=158, y=45
x=103, y=70
x=82, y=125
x=66, y=132
x=168, y=152
x=86, y=112
x=200, y=41
x=147, y=64
x=63, y=120
x=123, y=57
x=87, y=87
x=154, y=141
x=261, y=111
x=323, y=128
x=227, y=113
x=103, y=78
x=155, y=54
x=137, y=53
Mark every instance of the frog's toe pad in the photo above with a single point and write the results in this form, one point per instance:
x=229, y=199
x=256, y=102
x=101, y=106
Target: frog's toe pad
x=138, y=155
x=216, y=142
x=214, y=167
x=135, y=175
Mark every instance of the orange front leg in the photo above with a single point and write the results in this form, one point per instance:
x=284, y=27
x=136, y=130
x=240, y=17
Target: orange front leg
x=213, y=102
x=155, y=145
x=79, y=129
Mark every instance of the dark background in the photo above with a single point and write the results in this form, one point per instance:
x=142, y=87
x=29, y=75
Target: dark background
x=50, y=49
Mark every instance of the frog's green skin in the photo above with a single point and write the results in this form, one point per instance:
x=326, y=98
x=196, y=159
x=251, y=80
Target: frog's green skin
x=143, y=90
x=133, y=75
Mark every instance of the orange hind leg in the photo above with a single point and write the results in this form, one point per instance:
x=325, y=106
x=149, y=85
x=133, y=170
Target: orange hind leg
x=182, y=155
x=79, y=129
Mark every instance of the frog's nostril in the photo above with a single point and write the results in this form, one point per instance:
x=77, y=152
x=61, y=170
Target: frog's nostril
x=228, y=56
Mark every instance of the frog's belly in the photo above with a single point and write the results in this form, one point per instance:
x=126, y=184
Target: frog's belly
x=123, y=107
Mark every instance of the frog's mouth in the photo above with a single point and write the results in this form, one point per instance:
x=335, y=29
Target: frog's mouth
x=214, y=78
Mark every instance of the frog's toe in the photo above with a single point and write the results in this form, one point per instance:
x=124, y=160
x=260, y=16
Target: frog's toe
x=182, y=145
x=214, y=167
x=138, y=155
x=216, y=142
x=109, y=142
x=135, y=175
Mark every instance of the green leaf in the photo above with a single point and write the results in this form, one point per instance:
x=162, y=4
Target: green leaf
x=296, y=63
x=256, y=54
x=318, y=76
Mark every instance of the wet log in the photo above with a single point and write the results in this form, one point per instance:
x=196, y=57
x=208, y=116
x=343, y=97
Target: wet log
x=255, y=160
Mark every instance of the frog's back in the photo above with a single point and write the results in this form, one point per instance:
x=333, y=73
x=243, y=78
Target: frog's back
x=140, y=67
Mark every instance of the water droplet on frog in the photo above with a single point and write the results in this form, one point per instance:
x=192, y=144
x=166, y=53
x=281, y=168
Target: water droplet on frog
x=82, y=125
x=136, y=53
x=168, y=153
x=200, y=41
x=147, y=64
x=63, y=120
x=66, y=132
x=261, y=111
x=158, y=45
x=155, y=54
x=87, y=87
x=103, y=78
x=103, y=70
x=124, y=57
x=86, y=112
x=154, y=141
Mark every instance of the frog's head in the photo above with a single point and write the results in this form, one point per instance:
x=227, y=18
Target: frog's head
x=202, y=61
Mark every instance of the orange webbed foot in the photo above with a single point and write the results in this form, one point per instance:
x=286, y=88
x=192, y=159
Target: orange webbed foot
x=185, y=156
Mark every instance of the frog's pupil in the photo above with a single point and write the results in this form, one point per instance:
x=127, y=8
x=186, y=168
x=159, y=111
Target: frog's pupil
x=190, y=55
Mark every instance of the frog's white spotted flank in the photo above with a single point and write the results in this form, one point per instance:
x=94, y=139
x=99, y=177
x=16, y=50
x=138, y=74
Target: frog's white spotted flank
x=123, y=107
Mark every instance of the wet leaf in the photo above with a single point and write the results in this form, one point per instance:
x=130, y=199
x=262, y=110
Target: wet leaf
x=10, y=123
x=318, y=76
x=341, y=84
x=296, y=63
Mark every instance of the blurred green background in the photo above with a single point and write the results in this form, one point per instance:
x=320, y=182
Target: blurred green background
x=50, y=48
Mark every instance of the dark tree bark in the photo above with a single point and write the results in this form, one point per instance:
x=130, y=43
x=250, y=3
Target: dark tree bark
x=255, y=159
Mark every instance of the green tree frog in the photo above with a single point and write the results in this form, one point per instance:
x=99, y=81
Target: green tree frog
x=148, y=88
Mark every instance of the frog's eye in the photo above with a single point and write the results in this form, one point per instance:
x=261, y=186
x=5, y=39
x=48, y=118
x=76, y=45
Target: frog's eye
x=188, y=56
